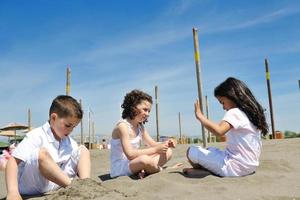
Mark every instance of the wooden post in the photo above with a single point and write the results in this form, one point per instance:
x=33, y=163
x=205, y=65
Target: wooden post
x=15, y=136
x=270, y=98
x=199, y=82
x=68, y=80
x=93, y=132
x=81, y=126
x=121, y=111
x=89, y=124
x=207, y=115
x=180, y=135
x=29, y=120
x=157, y=119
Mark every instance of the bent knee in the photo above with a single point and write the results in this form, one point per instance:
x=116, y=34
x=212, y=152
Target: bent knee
x=188, y=156
x=187, y=152
x=169, y=153
x=146, y=160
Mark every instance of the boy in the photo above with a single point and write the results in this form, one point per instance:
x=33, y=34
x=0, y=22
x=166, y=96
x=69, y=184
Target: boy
x=48, y=157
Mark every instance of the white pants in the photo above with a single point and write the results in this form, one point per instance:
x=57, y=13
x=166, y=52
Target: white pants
x=32, y=182
x=211, y=158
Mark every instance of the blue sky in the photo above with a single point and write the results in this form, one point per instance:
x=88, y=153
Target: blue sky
x=116, y=46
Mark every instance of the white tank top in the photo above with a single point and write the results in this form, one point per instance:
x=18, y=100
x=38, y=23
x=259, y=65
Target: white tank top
x=117, y=152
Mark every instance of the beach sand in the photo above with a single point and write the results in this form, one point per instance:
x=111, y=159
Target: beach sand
x=277, y=177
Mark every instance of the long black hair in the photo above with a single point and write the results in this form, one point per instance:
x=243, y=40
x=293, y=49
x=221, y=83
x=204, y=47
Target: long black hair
x=238, y=92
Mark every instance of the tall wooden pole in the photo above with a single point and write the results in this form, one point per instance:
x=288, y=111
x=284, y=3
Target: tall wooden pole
x=29, y=120
x=121, y=111
x=93, y=132
x=157, y=119
x=207, y=115
x=81, y=126
x=270, y=98
x=15, y=136
x=68, y=80
x=199, y=82
x=180, y=135
x=89, y=121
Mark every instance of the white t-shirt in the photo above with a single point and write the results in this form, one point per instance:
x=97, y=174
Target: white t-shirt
x=243, y=143
x=65, y=153
x=43, y=137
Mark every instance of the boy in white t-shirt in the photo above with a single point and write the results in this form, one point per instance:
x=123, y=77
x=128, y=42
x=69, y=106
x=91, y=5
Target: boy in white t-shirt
x=48, y=158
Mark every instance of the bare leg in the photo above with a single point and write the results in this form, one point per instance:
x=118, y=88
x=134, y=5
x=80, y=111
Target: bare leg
x=145, y=163
x=84, y=164
x=164, y=158
x=50, y=170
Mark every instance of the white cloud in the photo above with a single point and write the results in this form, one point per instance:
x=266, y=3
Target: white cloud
x=235, y=23
x=181, y=7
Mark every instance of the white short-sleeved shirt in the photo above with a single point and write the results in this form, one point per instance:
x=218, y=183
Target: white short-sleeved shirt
x=64, y=153
x=243, y=143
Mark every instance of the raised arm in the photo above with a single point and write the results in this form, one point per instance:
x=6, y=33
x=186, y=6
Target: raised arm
x=217, y=129
x=11, y=179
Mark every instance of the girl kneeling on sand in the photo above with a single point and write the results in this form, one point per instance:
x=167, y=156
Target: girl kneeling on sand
x=126, y=156
x=243, y=124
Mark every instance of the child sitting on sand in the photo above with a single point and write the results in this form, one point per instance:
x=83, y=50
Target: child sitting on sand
x=48, y=157
x=243, y=124
x=126, y=156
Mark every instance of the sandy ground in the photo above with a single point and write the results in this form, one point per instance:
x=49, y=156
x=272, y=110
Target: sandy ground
x=278, y=177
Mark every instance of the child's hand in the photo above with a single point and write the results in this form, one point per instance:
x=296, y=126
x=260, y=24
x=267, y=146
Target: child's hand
x=171, y=143
x=198, y=112
x=162, y=147
x=13, y=196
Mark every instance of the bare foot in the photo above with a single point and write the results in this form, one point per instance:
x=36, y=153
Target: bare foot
x=142, y=174
x=175, y=166
x=195, y=173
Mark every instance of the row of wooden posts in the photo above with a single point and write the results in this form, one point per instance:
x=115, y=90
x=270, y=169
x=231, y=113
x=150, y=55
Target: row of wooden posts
x=200, y=97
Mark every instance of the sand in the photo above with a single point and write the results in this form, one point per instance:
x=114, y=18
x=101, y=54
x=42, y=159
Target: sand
x=278, y=177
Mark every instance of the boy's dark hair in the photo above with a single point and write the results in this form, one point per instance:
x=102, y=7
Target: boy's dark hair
x=131, y=100
x=66, y=106
x=238, y=92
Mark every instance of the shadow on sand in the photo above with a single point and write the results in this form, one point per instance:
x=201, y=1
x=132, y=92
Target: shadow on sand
x=106, y=177
x=194, y=173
